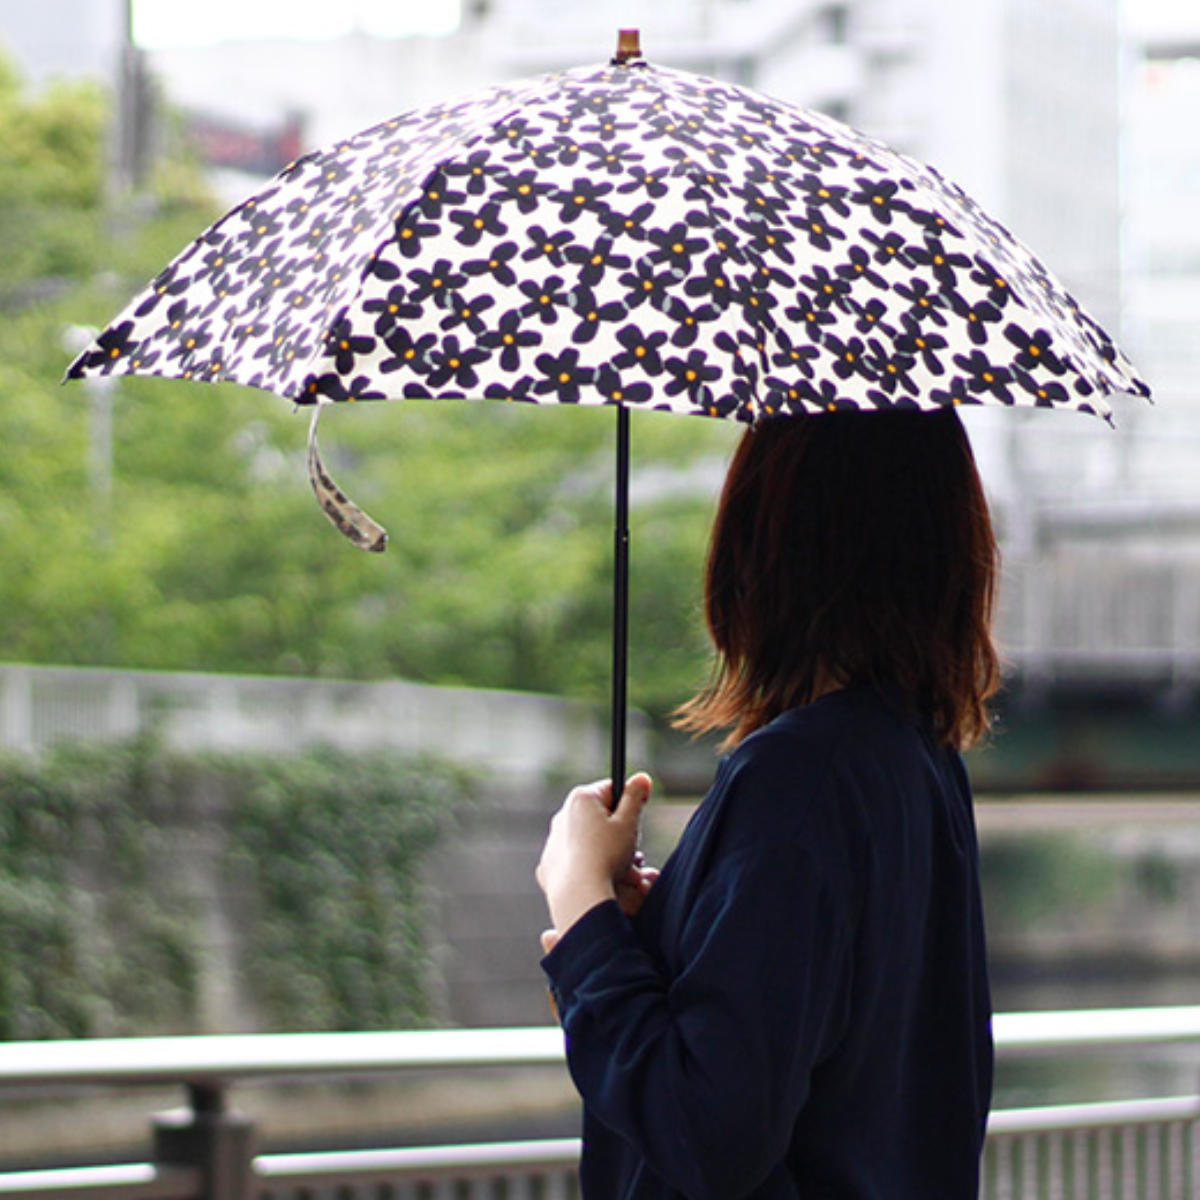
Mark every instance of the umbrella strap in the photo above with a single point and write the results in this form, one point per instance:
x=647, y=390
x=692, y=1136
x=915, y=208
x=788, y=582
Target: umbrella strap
x=362, y=530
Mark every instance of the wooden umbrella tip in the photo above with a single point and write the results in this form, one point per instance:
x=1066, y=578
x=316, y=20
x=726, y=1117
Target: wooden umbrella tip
x=629, y=45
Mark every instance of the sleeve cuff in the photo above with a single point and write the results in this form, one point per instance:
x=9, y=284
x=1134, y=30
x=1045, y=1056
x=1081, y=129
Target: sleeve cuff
x=591, y=941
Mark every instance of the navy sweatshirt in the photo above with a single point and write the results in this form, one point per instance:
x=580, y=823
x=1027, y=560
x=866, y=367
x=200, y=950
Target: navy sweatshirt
x=801, y=1008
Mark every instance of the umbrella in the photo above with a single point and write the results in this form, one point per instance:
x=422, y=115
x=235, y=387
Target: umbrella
x=622, y=235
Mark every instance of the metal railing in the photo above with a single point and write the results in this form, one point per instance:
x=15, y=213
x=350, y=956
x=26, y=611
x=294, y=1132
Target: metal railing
x=1129, y=1150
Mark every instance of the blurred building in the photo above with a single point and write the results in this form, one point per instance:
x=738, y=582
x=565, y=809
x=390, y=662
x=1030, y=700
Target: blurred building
x=64, y=38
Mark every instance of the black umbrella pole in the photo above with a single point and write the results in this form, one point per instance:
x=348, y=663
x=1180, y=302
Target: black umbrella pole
x=620, y=603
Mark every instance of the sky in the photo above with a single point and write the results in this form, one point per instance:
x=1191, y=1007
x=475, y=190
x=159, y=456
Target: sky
x=169, y=23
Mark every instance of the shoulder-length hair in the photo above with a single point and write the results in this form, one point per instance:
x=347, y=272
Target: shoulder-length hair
x=848, y=548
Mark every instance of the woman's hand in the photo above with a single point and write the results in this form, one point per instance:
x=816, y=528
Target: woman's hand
x=590, y=854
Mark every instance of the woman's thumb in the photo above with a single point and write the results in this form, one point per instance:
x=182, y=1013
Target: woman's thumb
x=635, y=795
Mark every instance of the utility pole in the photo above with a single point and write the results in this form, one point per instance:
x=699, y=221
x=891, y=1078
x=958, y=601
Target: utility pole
x=133, y=115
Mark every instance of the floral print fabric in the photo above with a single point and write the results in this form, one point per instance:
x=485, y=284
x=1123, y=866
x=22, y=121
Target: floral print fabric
x=621, y=234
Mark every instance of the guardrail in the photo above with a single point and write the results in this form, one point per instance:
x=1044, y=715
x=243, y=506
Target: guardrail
x=1132, y=1150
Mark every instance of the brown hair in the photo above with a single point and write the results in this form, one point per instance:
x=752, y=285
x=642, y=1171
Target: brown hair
x=851, y=547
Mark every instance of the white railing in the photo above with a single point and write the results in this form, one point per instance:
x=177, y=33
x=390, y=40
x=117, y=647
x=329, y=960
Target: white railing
x=1129, y=1150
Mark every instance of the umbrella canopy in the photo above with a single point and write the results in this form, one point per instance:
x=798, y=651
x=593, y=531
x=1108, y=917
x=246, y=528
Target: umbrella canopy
x=625, y=235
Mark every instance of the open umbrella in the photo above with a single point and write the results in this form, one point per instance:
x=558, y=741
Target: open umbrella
x=621, y=235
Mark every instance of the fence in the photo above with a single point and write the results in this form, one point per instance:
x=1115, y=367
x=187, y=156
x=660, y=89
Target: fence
x=1134, y=1150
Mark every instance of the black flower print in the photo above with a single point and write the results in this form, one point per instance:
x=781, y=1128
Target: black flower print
x=955, y=393
x=641, y=349
x=562, y=375
x=631, y=224
x=714, y=284
x=926, y=304
x=687, y=319
x=412, y=353
x=329, y=385
x=984, y=376
x=438, y=197
x=858, y=265
x=793, y=356
x=675, y=246
x=510, y=337
x=473, y=225
x=520, y=389
x=892, y=370
x=440, y=281
x=760, y=238
x=723, y=404
x=605, y=125
x=1046, y=393
x=975, y=317
x=262, y=259
x=758, y=202
x=812, y=317
x=922, y=342
x=592, y=313
x=1034, y=349
x=172, y=282
x=850, y=357
x=390, y=309
x=524, y=189
x=822, y=394
x=364, y=387
x=260, y=225
x=544, y=244
x=692, y=374
x=612, y=158
x=345, y=346
x=450, y=361
x=114, y=344
x=816, y=227
x=986, y=276
x=543, y=299
x=879, y=197
x=820, y=193
x=468, y=311
x=781, y=183
x=942, y=262
x=471, y=172
x=648, y=282
x=869, y=317
x=584, y=195
x=617, y=390
x=411, y=230
x=496, y=264
x=889, y=247
x=931, y=222
x=643, y=180
x=824, y=289
x=591, y=262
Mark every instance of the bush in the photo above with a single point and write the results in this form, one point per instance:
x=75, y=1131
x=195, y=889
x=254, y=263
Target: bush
x=100, y=918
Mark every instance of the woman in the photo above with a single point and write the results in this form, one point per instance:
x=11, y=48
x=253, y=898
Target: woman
x=798, y=1006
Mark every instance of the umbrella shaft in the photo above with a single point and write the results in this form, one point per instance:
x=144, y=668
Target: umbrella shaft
x=620, y=602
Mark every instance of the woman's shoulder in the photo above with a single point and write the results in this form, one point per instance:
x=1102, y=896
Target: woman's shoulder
x=813, y=763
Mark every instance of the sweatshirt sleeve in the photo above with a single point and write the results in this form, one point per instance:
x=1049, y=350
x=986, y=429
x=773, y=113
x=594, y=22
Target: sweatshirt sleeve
x=704, y=1072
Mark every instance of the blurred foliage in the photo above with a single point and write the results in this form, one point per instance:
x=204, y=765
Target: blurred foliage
x=94, y=936
x=328, y=848
x=100, y=934
x=1027, y=878
x=208, y=551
